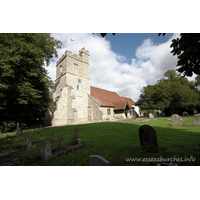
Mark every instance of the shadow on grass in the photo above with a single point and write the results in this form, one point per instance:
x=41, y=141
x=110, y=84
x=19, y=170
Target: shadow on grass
x=117, y=141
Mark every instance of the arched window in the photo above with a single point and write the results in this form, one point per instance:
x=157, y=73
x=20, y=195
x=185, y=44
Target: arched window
x=60, y=69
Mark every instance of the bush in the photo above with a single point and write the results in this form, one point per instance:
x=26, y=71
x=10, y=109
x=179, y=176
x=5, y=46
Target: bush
x=7, y=126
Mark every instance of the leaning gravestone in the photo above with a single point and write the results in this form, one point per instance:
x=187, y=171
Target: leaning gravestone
x=46, y=151
x=151, y=115
x=176, y=120
x=96, y=160
x=197, y=120
x=148, y=138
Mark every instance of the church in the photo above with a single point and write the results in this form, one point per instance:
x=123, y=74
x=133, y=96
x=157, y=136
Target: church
x=75, y=101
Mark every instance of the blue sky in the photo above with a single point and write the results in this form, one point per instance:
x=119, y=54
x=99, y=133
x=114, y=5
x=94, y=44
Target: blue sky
x=123, y=63
x=127, y=43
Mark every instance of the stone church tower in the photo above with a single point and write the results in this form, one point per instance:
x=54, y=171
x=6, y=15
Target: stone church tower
x=70, y=99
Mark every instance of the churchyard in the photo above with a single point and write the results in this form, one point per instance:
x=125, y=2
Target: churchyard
x=117, y=142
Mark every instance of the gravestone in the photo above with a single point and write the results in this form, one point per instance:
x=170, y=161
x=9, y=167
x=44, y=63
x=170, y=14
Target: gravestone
x=28, y=141
x=17, y=132
x=197, y=120
x=167, y=164
x=79, y=141
x=46, y=151
x=151, y=115
x=96, y=160
x=176, y=120
x=148, y=138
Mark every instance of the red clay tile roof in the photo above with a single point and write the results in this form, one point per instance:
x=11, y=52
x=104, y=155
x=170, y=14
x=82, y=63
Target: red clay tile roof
x=120, y=105
x=103, y=102
x=110, y=99
x=130, y=101
x=107, y=98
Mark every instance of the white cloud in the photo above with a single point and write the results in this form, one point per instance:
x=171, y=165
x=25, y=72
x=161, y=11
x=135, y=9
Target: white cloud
x=109, y=70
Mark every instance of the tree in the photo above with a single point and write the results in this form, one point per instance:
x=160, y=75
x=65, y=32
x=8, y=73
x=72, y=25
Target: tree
x=104, y=34
x=24, y=81
x=171, y=94
x=187, y=48
x=172, y=75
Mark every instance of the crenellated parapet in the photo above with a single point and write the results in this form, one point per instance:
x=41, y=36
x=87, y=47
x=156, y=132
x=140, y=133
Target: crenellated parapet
x=77, y=65
x=82, y=57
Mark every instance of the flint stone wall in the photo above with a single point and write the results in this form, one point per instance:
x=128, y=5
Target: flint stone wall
x=120, y=116
x=94, y=112
x=70, y=97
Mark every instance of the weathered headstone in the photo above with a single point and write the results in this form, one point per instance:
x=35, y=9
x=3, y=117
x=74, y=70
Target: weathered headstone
x=151, y=115
x=79, y=141
x=176, y=120
x=96, y=160
x=167, y=164
x=148, y=138
x=46, y=151
x=17, y=132
x=28, y=141
x=197, y=120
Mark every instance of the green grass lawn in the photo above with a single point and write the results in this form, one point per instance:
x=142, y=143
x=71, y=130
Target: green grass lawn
x=115, y=141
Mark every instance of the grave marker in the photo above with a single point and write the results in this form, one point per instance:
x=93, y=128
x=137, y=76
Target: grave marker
x=167, y=164
x=197, y=120
x=17, y=132
x=96, y=160
x=148, y=138
x=46, y=151
x=79, y=141
x=28, y=142
x=176, y=120
x=151, y=115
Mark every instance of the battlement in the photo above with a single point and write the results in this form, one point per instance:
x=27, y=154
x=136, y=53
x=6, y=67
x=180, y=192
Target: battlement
x=82, y=54
x=83, y=51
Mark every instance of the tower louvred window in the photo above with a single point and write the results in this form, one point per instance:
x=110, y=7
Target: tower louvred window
x=75, y=67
